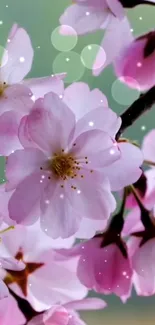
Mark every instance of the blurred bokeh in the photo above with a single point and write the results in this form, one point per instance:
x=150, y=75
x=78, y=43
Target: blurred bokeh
x=54, y=54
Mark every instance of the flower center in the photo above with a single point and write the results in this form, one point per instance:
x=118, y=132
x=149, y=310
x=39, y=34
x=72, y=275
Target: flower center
x=21, y=277
x=63, y=165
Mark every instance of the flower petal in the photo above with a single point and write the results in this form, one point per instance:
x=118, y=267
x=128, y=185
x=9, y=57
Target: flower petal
x=19, y=57
x=24, y=202
x=22, y=163
x=114, y=29
x=81, y=100
x=59, y=218
x=128, y=170
x=101, y=118
x=84, y=19
x=51, y=127
x=148, y=146
x=42, y=86
x=9, y=141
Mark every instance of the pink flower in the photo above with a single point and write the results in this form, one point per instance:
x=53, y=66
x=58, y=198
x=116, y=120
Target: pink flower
x=136, y=62
x=47, y=278
x=142, y=258
x=10, y=313
x=65, y=314
x=16, y=94
x=91, y=15
x=9, y=263
x=105, y=269
x=55, y=174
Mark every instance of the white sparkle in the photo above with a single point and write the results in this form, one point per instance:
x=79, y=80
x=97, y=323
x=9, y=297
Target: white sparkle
x=30, y=284
x=43, y=176
x=112, y=151
x=143, y=127
x=78, y=191
x=38, y=47
x=105, y=261
x=89, y=47
x=127, y=277
x=60, y=96
x=82, y=247
x=12, y=151
x=124, y=273
x=140, y=18
x=67, y=59
x=8, y=40
x=61, y=196
x=1, y=22
x=101, y=100
x=87, y=13
x=131, y=29
x=46, y=229
x=41, y=181
x=47, y=201
x=33, y=98
x=139, y=64
x=7, y=6
x=22, y=59
x=91, y=123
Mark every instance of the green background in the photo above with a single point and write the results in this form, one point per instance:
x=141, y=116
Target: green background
x=40, y=18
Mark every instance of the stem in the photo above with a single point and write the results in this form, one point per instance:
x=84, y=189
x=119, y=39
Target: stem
x=145, y=214
x=24, y=307
x=117, y=222
x=148, y=162
x=138, y=108
x=6, y=229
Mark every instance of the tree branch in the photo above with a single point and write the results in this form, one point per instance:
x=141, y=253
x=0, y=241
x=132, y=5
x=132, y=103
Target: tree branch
x=138, y=108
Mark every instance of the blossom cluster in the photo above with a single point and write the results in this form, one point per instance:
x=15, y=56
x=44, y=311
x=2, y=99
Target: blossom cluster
x=66, y=160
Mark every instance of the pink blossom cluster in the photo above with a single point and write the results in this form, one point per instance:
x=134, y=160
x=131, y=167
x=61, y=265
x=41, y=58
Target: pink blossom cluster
x=65, y=164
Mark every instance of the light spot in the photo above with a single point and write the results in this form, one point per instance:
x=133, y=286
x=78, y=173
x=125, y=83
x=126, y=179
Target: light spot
x=43, y=176
x=8, y=40
x=105, y=261
x=22, y=59
x=89, y=47
x=1, y=22
x=67, y=59
x=139, y=64
x=12, y=151
x=143, y=127
x=38, y=47
x=78, y=191
x=60, y=96
x=131, y=30
x=41, y=181
x=91, y=123
x=87, y=13
x=140, y=18
x=84, y=260
x=112, y=151
x=47, y=201
x=124, y=273
x=82, y=247
x=61, y=196
x=33, y=98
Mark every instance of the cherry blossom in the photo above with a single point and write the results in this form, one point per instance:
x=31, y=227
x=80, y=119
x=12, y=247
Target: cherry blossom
x=91, y=15
x=47, y=279
x=135, y=64
x=16, y=94
x=9, y=312
x=57, y=169
x=66, y=315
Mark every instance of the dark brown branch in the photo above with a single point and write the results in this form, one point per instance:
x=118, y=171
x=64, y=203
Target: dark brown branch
x=138, y=108
x=24, y=307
